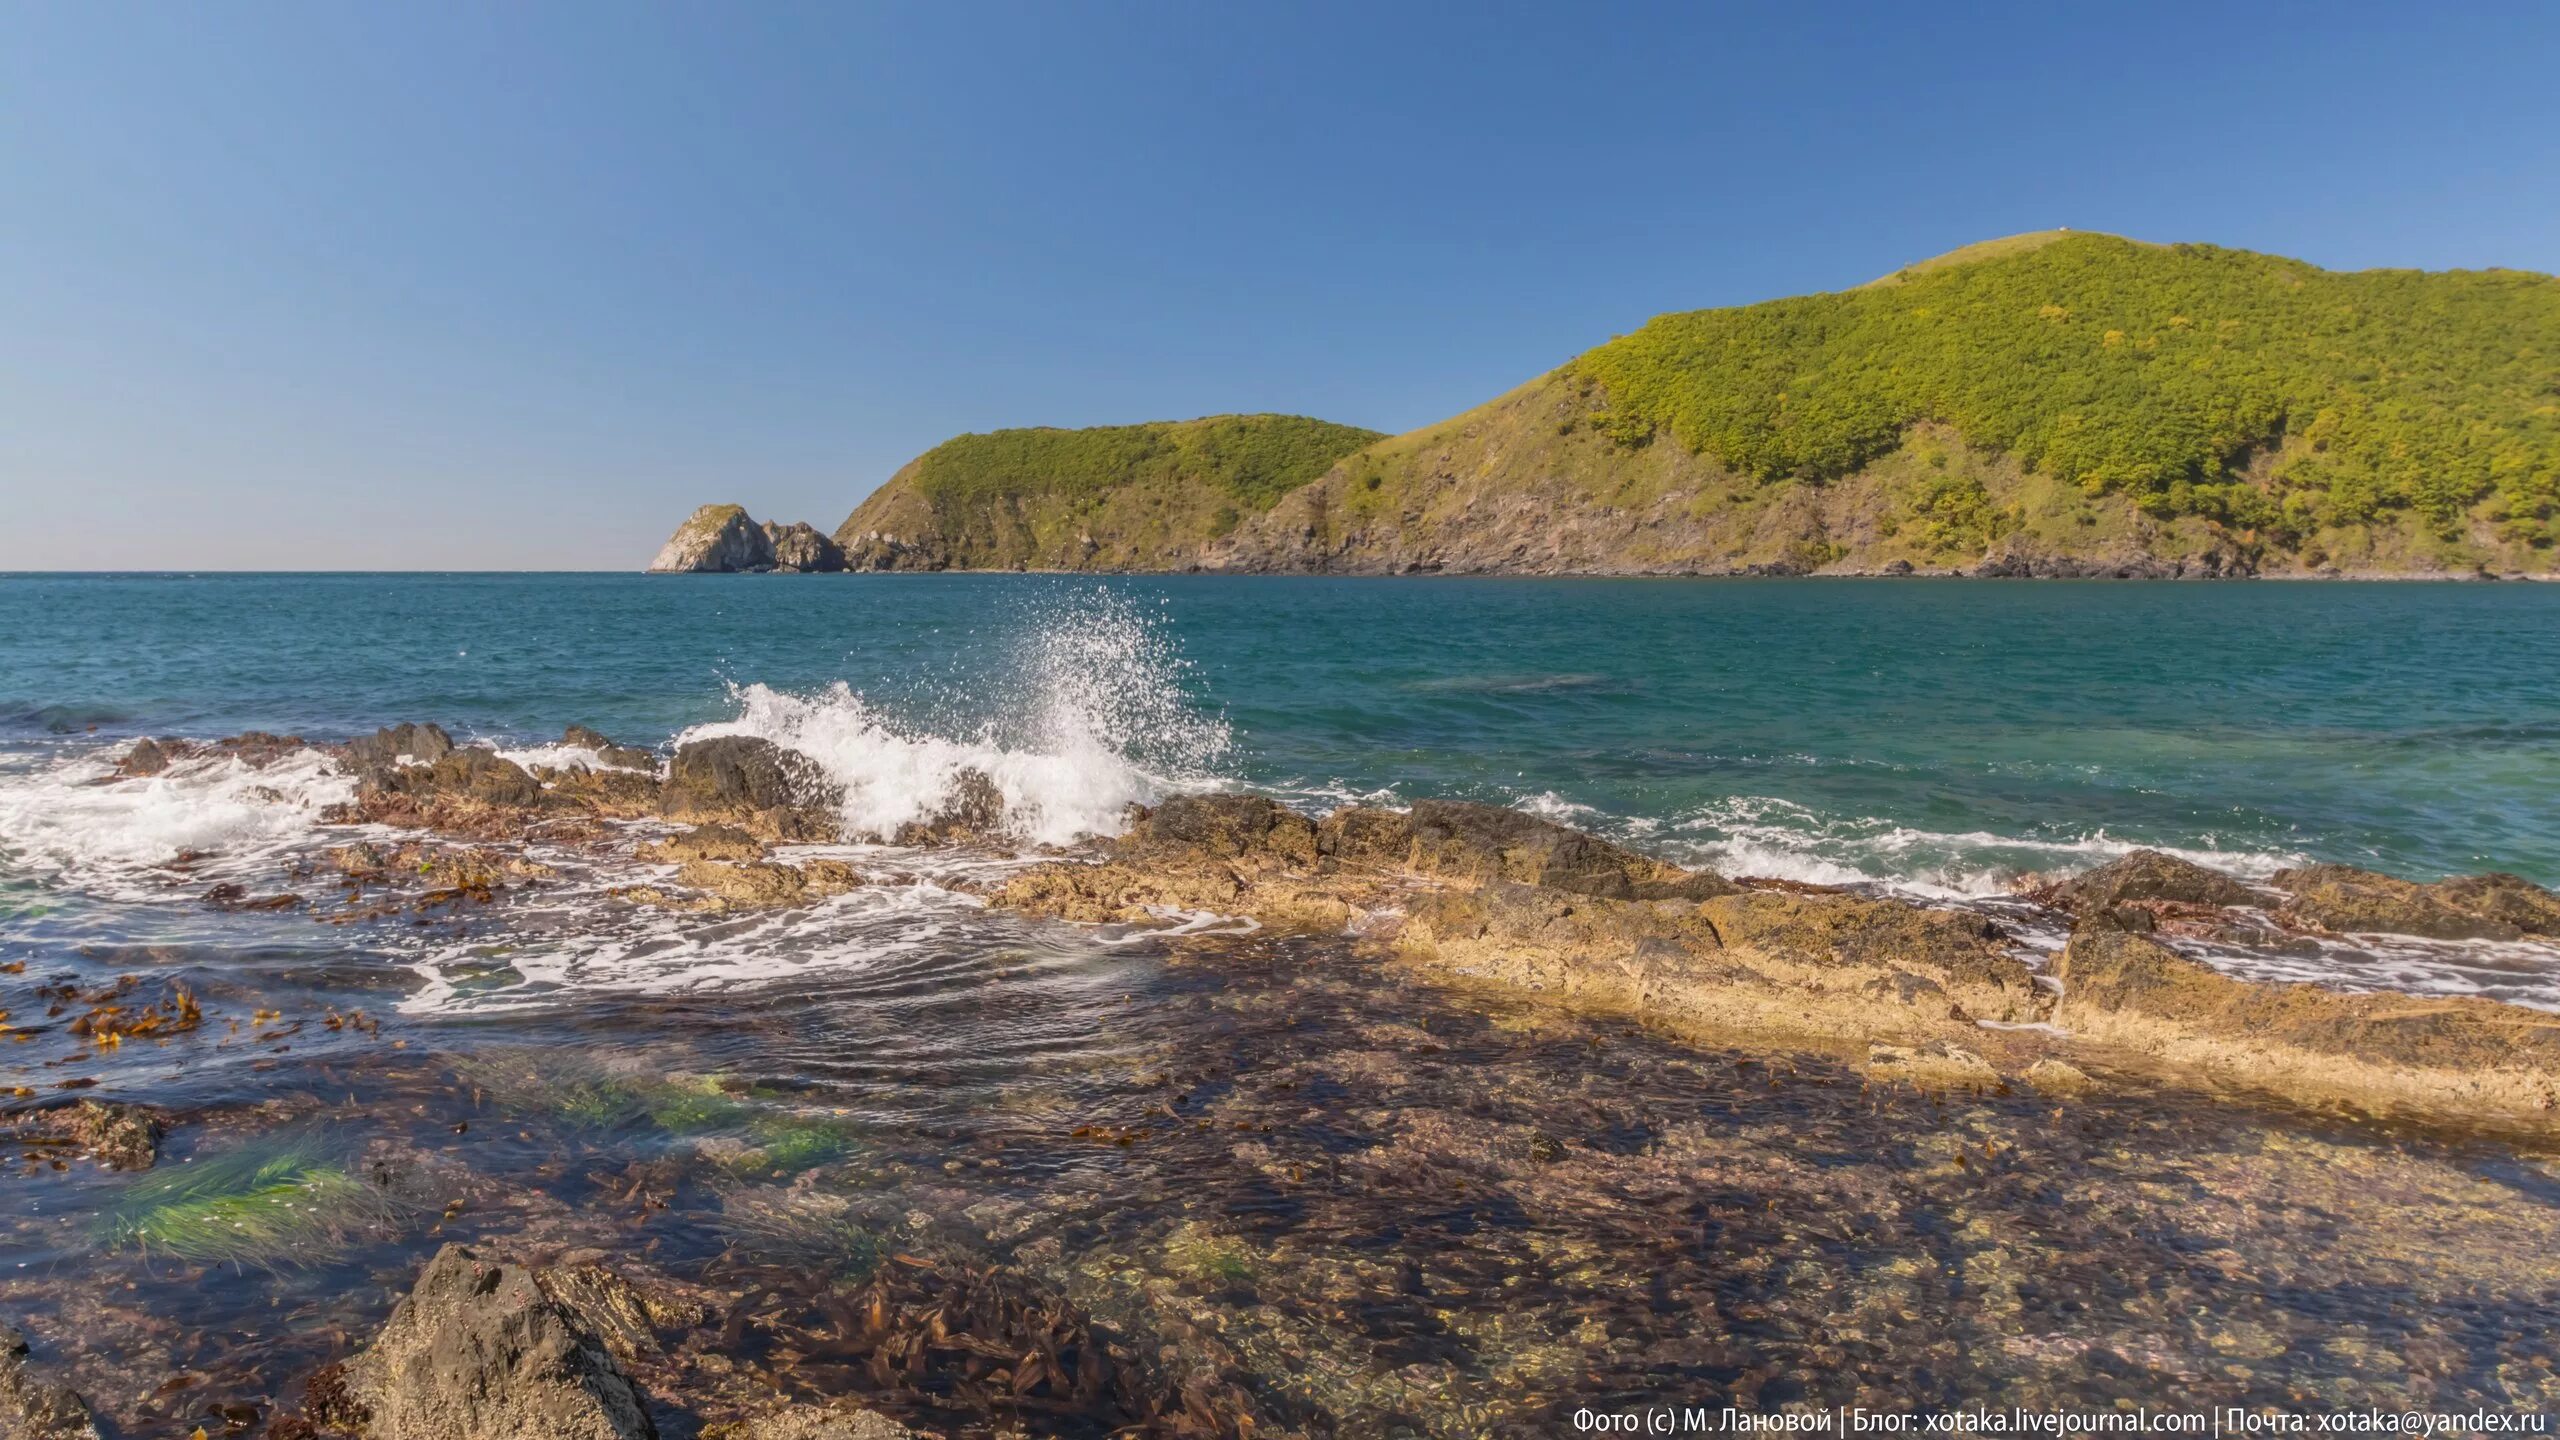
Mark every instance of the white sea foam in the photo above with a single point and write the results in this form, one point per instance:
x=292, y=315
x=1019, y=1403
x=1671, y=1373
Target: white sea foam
x=573, y=943
x=1763, y=835
x=562, y=757
x=1091, y=718
x=73, y=820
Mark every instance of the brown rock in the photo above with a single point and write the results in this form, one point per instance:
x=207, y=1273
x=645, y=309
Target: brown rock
x=580, y=737
x=482, y=1350
x=2149, y=875
x=1366, y=835
x=1792, y=968
x=1454, y=837
x=753, y=882
x=753, y=784
x=481, y=776
x=2343, y=899
x=973, y=813
x=830, y=877
x=385, y=748
x=2454, y=1058
x=150, y=757
x=32, y=1407
x=703, y=842
x=1223, y=827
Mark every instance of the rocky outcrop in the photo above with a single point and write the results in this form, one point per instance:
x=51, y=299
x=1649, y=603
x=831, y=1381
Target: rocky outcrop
x=2344, y=900
x=485, y=1349
x=715, y=539
x=800, y=548
x=725, y=539
x=2466, y=1058
x=973, y=813
x=2147, y=875
x=754, y=785
x=621, y=757
x=392, y=746
x=1934, y=996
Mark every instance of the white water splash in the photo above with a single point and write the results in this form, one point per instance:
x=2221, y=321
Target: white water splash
x=1092, y=717
x=75, y=821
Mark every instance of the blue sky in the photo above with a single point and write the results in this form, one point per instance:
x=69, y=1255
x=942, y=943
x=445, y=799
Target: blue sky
x=507, y=286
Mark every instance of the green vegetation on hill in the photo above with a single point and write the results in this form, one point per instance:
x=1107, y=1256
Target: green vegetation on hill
x=1255, y=459
x=1106, y=497
x=2252, y=391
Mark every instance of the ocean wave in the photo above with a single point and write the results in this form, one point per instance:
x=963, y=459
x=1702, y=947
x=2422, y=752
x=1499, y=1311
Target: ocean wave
x=1781, y=839
x=61, y=717
x=75, y=821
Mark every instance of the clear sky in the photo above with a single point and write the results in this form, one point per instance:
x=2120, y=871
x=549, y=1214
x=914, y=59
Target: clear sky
x=459, y=285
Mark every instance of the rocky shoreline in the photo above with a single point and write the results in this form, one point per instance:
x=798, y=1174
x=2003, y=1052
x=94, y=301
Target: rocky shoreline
x=542, y=1325
x=1489, y=894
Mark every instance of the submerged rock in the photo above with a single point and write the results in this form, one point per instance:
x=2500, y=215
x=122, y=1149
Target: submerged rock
x=32, y=1407
x=2343, y=899
x=117, y=1135
x=482, y=1349
x=811, y=1422
x=1938, y=1066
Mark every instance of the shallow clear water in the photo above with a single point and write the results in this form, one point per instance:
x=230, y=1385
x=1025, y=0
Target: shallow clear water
x=1356, y=1203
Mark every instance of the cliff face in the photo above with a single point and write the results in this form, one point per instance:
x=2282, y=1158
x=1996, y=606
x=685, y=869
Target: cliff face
x=1531, y=484
x=725, y=539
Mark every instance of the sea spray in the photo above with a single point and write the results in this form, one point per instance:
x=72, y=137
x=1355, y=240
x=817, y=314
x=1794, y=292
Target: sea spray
x=1085, y=711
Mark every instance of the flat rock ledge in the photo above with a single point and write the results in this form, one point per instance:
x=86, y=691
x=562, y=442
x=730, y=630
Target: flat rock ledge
x=1938, y=997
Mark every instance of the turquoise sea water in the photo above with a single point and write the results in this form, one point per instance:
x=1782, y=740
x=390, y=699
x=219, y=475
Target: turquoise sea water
x=1931, y=733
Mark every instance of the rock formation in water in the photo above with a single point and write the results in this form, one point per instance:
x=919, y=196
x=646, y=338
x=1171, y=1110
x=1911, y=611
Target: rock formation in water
x=724, y=539
x=2057, y=404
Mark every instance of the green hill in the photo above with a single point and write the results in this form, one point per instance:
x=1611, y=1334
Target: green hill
x=2053, y=403
x=2047, y=403
x=1110, y=497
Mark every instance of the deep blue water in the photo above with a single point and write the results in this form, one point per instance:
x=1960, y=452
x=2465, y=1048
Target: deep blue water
x=1932, y=731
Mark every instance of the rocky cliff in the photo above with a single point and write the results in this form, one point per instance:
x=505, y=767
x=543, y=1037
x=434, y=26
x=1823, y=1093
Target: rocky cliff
x=724, y=539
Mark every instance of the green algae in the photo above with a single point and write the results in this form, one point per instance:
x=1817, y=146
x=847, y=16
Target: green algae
x=263, y=1205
